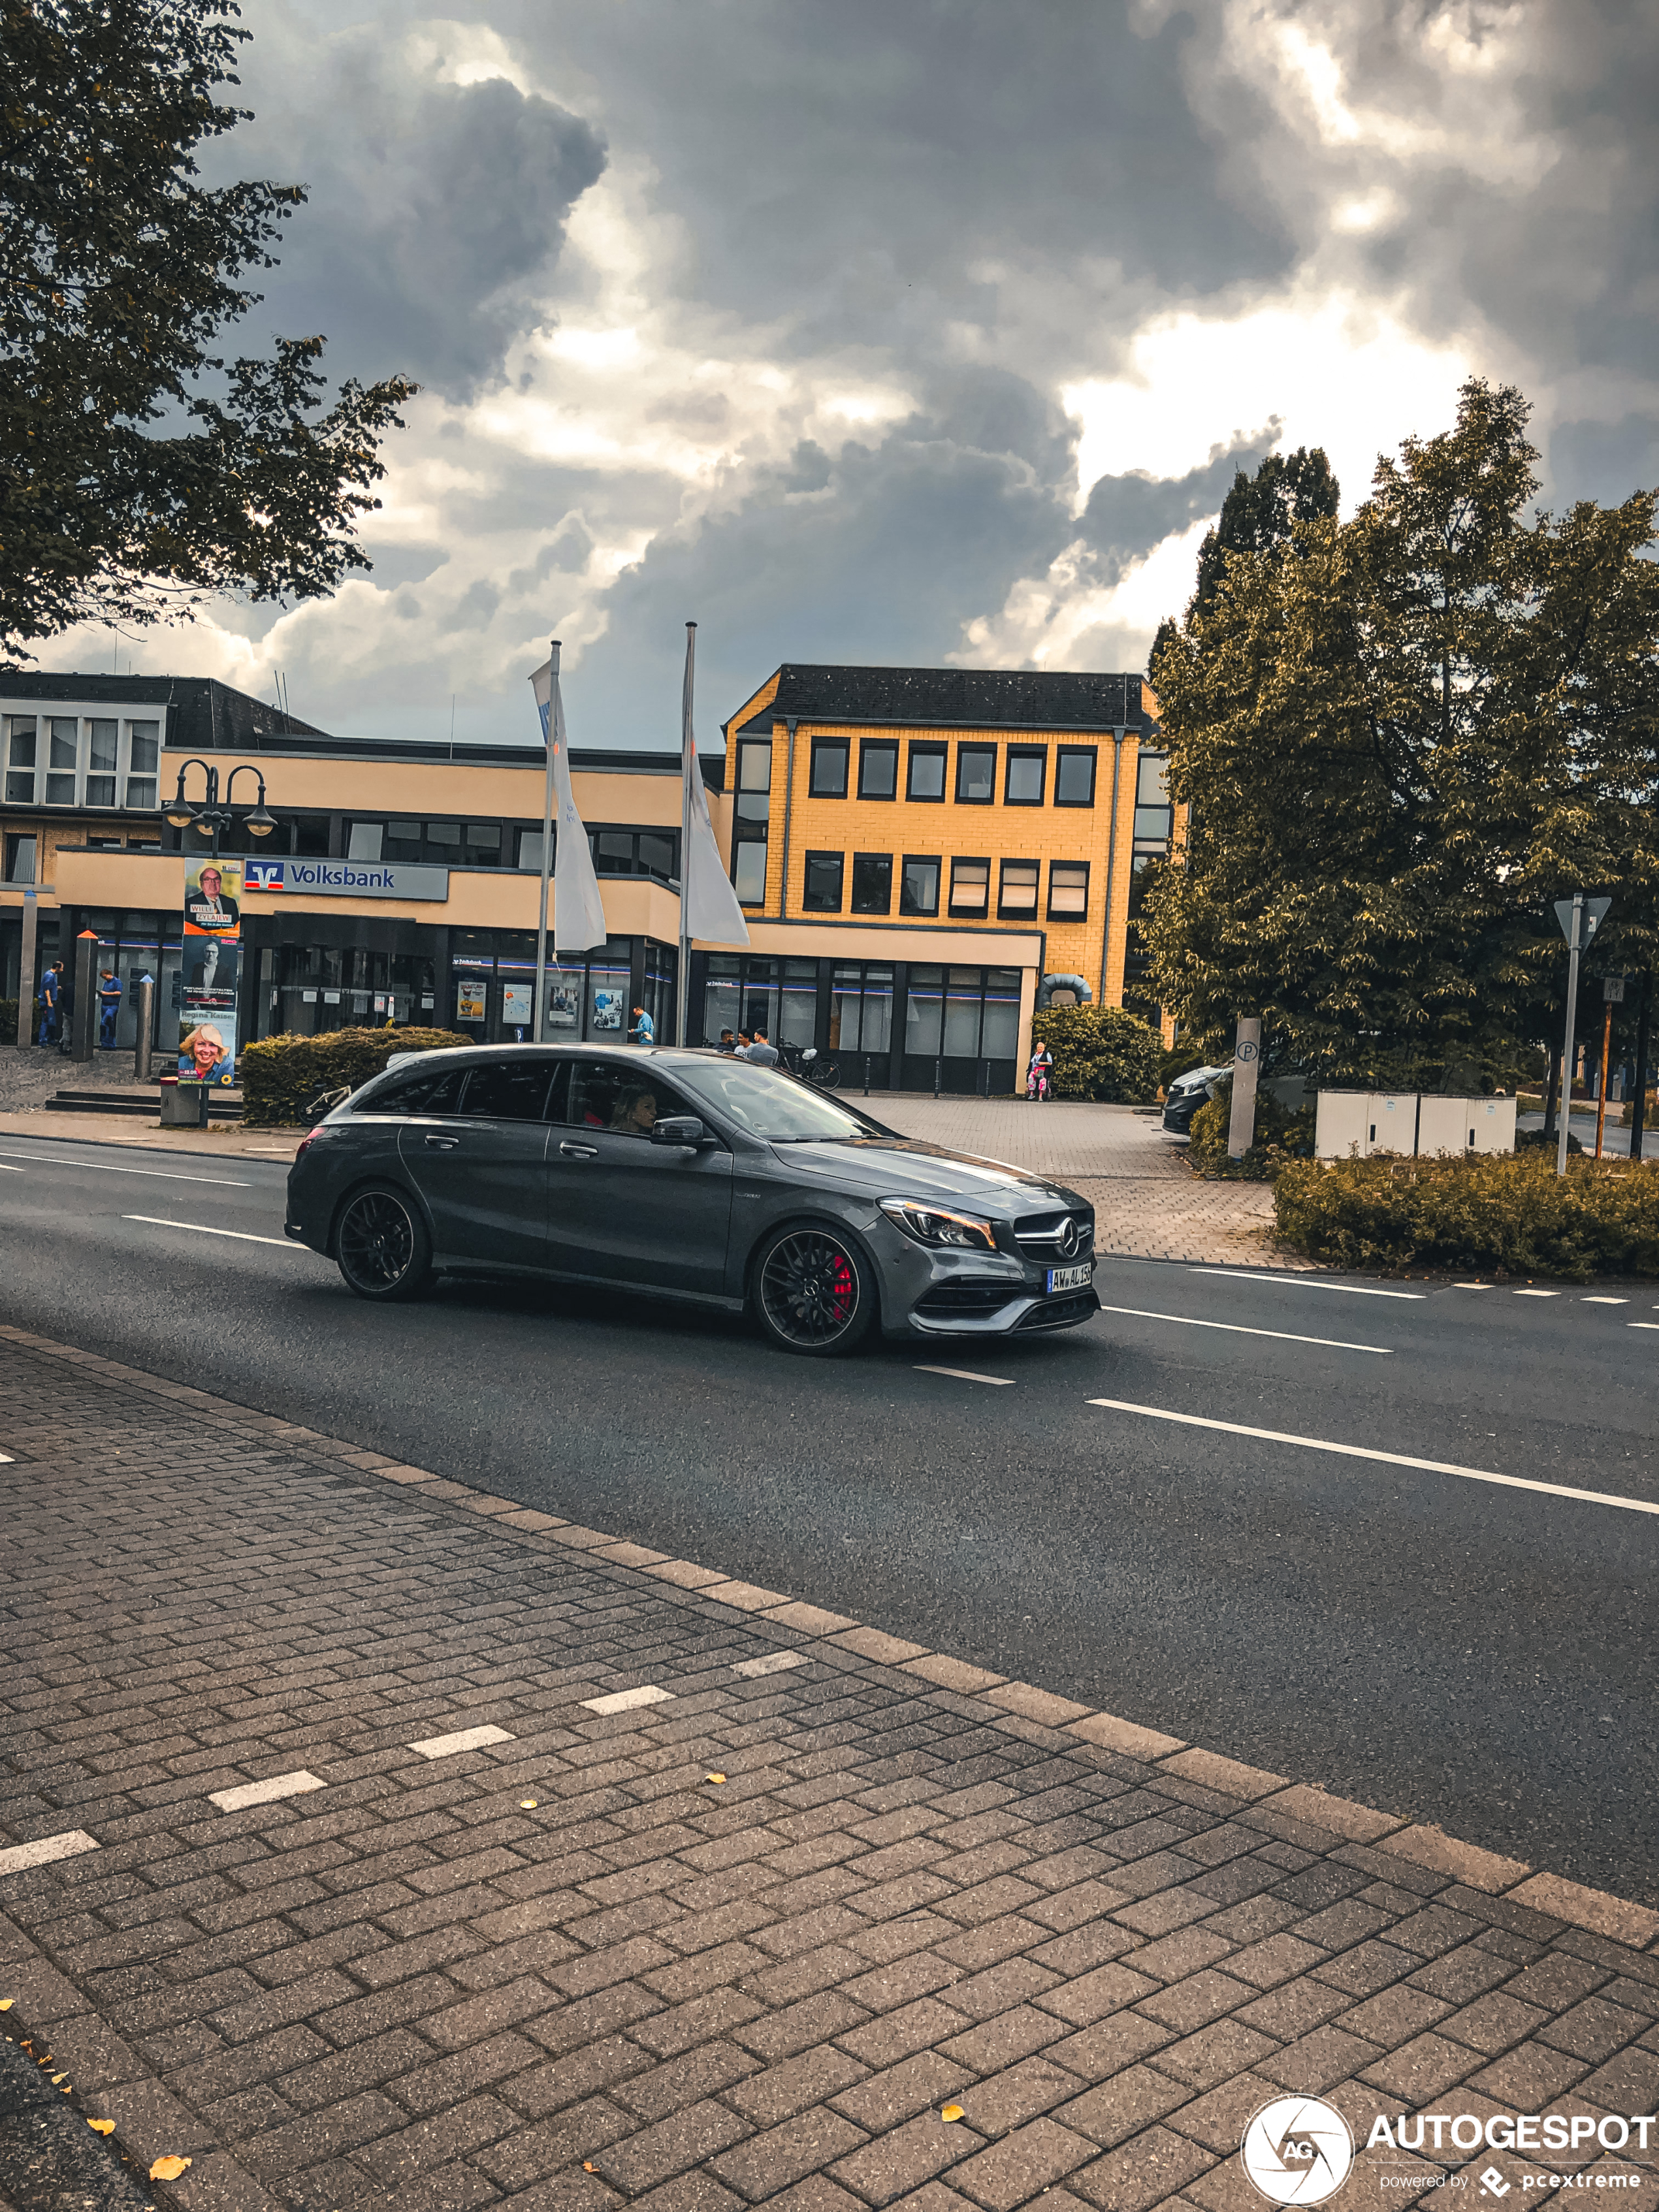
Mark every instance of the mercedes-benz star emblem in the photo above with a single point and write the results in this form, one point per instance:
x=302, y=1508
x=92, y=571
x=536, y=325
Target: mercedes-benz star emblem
x=1069, y=1236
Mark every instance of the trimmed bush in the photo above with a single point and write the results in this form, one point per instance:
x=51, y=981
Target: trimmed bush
x=1281, y=1136
x=1508, y=1214
x=280, y=1076
x=1100, y=1052
x=8, y=1021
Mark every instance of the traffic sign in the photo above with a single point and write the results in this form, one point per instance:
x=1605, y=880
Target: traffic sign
x=1594, y=911
x=1613, y=990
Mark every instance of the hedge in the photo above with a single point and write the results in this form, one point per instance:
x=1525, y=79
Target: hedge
x=1503, y=1214
x=1281, y=1136
x=280, y=1076
x=1100, y=1052
x=8, y=1021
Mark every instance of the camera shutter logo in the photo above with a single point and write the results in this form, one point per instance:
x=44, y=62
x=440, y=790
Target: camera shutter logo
x=1298, y=2150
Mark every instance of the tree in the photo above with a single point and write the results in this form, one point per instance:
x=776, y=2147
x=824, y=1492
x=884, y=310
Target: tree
x=1262, y=512
x=140, y=472
x=1401, y=739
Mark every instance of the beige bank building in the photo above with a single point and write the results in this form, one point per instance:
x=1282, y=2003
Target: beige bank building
x=917, y=851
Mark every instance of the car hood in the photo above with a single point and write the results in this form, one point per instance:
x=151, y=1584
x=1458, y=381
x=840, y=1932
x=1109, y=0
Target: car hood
x=906, y=1167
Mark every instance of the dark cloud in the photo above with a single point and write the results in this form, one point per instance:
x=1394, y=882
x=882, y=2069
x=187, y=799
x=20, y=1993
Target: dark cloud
x=436, y=212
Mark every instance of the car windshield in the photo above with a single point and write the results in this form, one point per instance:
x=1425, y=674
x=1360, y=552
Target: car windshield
x=770, y=1105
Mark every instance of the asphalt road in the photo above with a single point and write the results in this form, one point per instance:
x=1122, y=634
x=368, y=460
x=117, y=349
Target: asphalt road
x=1470, y=1652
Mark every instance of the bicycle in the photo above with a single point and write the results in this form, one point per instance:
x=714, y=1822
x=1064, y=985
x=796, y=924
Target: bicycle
x=810, y=1064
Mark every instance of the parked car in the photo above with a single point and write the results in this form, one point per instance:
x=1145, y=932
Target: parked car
x=688, y=1176
x=1186, y=1095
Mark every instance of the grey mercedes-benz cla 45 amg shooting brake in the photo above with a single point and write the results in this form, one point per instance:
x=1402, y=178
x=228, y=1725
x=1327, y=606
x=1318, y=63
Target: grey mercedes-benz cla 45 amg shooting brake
x=688, y=1175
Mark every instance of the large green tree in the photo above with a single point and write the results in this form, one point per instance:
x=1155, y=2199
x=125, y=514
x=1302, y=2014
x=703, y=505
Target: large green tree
x=140, y=470
x=1400, y=739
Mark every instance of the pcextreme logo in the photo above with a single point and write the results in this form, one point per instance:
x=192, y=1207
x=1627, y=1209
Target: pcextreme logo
x=1298, y=2150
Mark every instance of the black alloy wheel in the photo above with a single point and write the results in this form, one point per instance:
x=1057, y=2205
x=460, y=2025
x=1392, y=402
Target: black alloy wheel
x=382, y=1247
x=814, y=1292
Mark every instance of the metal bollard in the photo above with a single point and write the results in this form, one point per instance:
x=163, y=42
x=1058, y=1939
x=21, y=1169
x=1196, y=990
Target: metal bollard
x=83, y=1033
x=866, y=1075
x=938, y=1067
x=142, y=1045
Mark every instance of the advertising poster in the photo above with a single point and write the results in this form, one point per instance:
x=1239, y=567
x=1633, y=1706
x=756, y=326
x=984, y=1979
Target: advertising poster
x=608, y=1009
x=471, y=1002
x=564, y=1006
x=518, y=1006
x=211, y=972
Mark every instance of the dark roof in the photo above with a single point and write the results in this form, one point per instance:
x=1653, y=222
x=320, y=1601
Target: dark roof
x=209, y=717
x=954, y=698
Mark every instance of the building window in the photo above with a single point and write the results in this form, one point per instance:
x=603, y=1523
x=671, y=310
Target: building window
x=878, y=768
x=21, y=742
x=1016, y=892
x=1074, y=776
x=1027, y=774
x=1068, y=891
x=1153, y=813
x=977, y=774
x=828, y=767
x=62, y=749
x=822, y=888
x=970, y=887
x=873, y=883
x=963, y=1014
x=366, y=841
x=143, y=757
x=103, y=737
x=19, y=860
x=926, y=772
x=752, y=824
x=919, y=889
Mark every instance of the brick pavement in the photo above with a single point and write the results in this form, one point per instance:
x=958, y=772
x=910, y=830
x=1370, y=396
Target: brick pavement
x=744, y=1945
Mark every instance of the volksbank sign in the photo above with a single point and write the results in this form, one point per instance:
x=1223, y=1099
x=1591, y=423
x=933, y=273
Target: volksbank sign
x=390, y=879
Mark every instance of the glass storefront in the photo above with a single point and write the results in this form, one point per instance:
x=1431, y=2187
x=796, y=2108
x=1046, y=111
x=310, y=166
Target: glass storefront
x=304, y=990
x=136, y=944
x=591, y=996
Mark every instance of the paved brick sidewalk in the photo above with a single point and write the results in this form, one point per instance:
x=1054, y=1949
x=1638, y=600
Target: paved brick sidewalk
x=1148, y=1203
x=741, y=1945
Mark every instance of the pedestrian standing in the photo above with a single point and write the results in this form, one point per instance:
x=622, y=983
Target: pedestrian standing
x=1039, y=1077
x=644, y=1030
x=109, y=1006
x=762, y=1053
x=51, y=992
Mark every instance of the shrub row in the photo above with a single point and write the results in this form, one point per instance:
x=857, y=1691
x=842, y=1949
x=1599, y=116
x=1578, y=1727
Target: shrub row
x=1508, y=1214
x=1281, y=1136
x=280, y=1076
x=1100, y=1052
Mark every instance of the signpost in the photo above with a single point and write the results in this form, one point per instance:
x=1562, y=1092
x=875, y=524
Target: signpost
x=1247, y=1066
x=1613, y=994
x=1580, y=918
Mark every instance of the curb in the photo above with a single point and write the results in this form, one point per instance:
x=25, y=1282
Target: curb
x=1013, y=1704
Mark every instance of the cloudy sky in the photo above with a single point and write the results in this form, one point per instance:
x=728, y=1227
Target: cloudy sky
x=904, y=331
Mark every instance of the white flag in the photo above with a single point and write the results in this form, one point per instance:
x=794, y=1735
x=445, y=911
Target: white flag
x=578, y=910
x=709, y=902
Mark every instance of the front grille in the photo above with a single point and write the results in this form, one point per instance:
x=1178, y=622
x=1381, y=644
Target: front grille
x=1059, y=1313
x=947, y=1298
x=1040, y=1236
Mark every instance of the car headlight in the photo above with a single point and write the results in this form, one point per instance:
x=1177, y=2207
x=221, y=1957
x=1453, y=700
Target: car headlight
x=938, y=1225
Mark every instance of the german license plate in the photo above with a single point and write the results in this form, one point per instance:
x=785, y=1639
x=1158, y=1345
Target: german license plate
x=1071, y=1278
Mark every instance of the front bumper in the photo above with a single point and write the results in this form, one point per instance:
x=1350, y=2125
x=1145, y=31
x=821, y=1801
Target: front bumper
x=928, y=1292
x=1023, y=1314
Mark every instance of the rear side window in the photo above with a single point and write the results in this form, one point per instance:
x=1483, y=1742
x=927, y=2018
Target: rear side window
x=607, y=1095
x=507, y=1090
x=437, y=1092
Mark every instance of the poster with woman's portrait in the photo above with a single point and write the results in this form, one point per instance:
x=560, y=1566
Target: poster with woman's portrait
x=207, y=1051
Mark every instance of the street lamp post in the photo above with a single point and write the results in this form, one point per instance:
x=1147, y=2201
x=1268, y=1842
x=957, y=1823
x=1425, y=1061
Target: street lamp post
x=213, y=815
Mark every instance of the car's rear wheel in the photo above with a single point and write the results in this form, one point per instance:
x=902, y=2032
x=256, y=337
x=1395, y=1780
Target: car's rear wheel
x=814, y=1292
x=382, y=1246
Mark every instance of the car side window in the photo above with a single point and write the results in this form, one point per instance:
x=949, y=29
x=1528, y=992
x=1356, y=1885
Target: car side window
x=507, y=1090
x=606, y=1094
x=437, y=1092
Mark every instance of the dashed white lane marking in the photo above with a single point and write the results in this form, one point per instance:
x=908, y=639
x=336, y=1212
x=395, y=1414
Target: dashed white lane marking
x=628, y=1701
x=770, y=1662
x=1390, y=1459
x=107, y=1167
x=265, y=1793
x=201, y=1229
x=1307, y=1282
x=472, y=1738
x=6, y=1459
x=1642, y=1324
x=1604, y=1302
x=967, y=1374
x=1237, y=1328
x=1473, y=1286
x=8, y=1171
x=45, y=1849
x=1534, y=1294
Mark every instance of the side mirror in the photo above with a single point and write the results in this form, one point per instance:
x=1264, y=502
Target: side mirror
x=683, y=1130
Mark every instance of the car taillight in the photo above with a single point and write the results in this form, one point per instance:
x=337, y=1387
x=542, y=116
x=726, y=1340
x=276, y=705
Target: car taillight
x=310, y=1138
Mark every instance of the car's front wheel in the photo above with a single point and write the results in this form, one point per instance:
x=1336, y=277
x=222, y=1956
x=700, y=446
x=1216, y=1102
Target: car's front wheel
x=382, y=1246
x=814, y=1291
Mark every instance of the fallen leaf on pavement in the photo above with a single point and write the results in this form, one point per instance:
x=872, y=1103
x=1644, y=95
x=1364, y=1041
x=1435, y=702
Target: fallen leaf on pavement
x=101, y=2127
x=714, y=1778
x=168, y=2168
x=528, y=1804
x=6, y=2003
x=951, y=2112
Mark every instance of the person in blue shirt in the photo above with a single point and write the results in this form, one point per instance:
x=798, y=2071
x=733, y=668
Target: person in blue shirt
x=644, y=1030
x=52, y=991
x=109, y=1005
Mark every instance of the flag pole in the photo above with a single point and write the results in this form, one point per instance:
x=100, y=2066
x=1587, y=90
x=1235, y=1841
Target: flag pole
x=538, y=1027
x=687, y=769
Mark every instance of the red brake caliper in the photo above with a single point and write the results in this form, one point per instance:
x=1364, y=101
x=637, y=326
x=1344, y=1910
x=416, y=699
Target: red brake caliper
x=842, y=1278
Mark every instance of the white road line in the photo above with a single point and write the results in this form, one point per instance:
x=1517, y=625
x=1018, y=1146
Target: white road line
x=1237, y=1328
x=1534, y=1294
x=1473, y=1286
x=770, y=1662
x=106, y=1167
x=1307, y=1282
x=1642, y=1324
x=967, y=1374
x=201, y=1229
x=43, y=1851
x=472, y=1738
x=6, y=1170
x=265, y=1793
x=1390, y=1459
x=1604, y=1302
x=628, y=1701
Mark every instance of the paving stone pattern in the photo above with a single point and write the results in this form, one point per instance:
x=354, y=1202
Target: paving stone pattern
x=652, y=1987
x=1148, y=1203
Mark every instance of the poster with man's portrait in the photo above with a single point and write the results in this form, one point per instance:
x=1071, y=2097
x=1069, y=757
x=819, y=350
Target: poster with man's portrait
x=213, y=899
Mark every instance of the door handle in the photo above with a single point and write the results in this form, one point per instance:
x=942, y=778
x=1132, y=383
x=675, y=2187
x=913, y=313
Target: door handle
x=441, y=1144
x=579, y=1152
